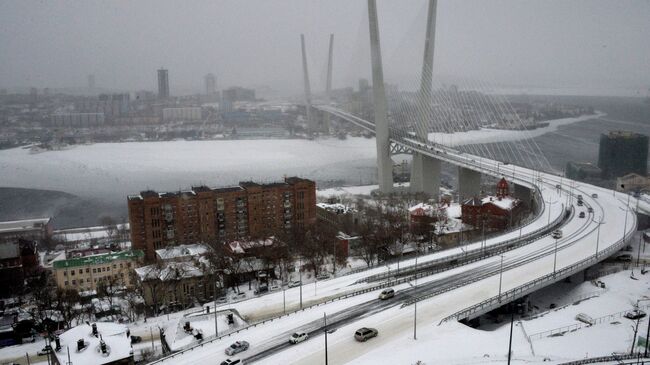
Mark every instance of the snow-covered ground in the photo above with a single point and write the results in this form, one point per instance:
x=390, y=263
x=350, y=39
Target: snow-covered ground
x=117, y=169
x=488, y=135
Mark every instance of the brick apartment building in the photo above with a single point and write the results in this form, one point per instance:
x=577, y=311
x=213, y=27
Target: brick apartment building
x=202, y=214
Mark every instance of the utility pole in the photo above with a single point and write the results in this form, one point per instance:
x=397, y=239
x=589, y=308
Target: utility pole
x=555, y=259
x=325, y=321
x=512, y=322
x=300, y=274
x=500, y=277
x=216, y=326
x=598, y=233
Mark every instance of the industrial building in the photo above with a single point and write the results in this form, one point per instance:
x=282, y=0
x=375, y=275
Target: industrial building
x=621, y=153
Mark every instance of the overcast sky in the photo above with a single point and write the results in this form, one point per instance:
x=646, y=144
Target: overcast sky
x=583, y=44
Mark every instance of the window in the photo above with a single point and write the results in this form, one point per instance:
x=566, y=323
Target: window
x=87, y=270
x=65, y=283
x=94, y=270
x=65, y=273
x=74, y=282
x=72, y=272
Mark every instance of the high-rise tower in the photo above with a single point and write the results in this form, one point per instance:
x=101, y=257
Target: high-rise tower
x=163, y=84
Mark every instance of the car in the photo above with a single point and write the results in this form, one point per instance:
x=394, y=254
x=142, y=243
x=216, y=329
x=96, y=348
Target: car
x=231, y=362
x=579, y=197
x=237, y=347
x=558, y=186
x=580, y=203
x=387, y=293
x=274, y=287
x=594, y=195
x=322, y=277
x=624, y=258
x=262, y=289
x=298, y=337
x=295, y=283
x=29, y=339
x=239, y=296
x=222, y=300
x=45, y=351
x=635, y=314
x=581, y=215
x=136, y=339
x=557, y=234
x=590, y=210
x=584, y=318
x=364, y=333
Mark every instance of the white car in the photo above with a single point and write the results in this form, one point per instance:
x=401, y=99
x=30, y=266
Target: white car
x=293, y=284
x=298, y=337
x=557, y=234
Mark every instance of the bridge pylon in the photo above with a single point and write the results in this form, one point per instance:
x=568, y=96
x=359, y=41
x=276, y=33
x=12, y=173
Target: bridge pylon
x=425, y=171
x=384, y=162
x=305, y=75
x=328, y=85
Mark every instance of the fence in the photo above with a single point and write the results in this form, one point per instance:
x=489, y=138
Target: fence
x=597, y=360
x=562, y=330
x=522, y=290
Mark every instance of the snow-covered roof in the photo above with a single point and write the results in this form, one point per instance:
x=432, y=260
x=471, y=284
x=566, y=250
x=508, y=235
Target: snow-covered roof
x=113, y=334
x=241, y=246
x=181, y=251
x=421, y=208
x=505, y=203
x=170, y=270
x=23, y=225
x=337, y=208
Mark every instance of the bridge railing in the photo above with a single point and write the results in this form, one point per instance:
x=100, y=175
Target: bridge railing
x=605, y=359
x=573, y=327
x=522, y=290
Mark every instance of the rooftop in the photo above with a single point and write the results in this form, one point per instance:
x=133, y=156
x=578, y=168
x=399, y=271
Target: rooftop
x=98, y=259
x=114, y=336
x=23, y=225
x=181, y=251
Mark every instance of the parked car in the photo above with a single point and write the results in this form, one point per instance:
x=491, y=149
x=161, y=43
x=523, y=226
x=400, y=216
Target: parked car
x=262, y=289
x=136, y=339
x=624, y=258
x=387, y=293
x=28, y=339
x=298, y=337
x=293, y=284
x=45, y=350
x=364, y=333
x=580, y=203
x=635, y=314
x=579, y=197
x=239, y=296
x=594, y=195
x=222, y=300
x=585, y=319
x=231, y=362
x=581, y=215
x=322, y=277
x=237, y=347
x=590, y=210
x=556, y=234
x=274, y=287
x=558, y=186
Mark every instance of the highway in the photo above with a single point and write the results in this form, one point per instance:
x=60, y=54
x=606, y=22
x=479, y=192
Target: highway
x=448, y=290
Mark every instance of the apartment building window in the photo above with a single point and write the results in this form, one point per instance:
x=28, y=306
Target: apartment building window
x=65, y=273
x=65, y=283
x=87, y=270
x=94, y=271
x=74, y=282
x=72, y=272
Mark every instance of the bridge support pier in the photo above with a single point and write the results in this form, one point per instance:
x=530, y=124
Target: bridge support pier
x=469, y=183
x=425, y=175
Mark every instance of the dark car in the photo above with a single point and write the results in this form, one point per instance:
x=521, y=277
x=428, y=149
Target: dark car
x=237, y=347
x=231, y=362
x=136, y=339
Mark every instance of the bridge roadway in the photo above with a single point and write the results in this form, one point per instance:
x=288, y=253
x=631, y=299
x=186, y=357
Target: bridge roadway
x=457, y=288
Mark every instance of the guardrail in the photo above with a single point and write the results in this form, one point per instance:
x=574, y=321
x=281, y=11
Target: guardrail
x=522, y=290
x=576, y=326
x=596, y=360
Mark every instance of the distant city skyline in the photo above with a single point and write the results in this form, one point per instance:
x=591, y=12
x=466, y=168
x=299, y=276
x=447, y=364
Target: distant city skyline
x=596, y=46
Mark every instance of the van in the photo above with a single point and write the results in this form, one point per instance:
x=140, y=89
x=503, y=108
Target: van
x=363, y=334
x=387, y=293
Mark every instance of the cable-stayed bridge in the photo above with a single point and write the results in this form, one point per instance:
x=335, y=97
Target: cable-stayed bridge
x=456, y=284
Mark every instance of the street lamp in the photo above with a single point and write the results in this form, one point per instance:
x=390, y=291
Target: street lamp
x=500, y=277
x=325, y=329
x=600, y=222
x=555, y=259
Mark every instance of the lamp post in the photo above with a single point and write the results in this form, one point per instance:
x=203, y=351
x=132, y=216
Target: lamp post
x=555, y=259
x=500, y=277
x=300, y=278
x=415, y=305
x=600, y=222
x=325, y=327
